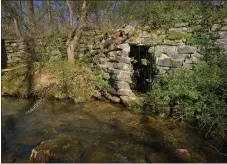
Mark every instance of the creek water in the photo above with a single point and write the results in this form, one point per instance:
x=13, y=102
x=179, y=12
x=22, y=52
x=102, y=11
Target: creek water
x=108, y=132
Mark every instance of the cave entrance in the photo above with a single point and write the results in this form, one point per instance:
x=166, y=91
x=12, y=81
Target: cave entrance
x=143, y=66
x=3, y=55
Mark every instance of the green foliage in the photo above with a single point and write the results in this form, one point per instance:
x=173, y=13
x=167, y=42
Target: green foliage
x=54, y=79
x=51, y=44
x=76, y=82
x=199, y=93
x=15, y=82
x=195, y=94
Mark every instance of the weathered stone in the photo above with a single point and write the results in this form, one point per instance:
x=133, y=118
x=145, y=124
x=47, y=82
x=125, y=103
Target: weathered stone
x=125, y=92
x=180, y=29
x=122, y=85
x=180, y=57
x=224, y=28
x=215, y=34
x=173, y=42
x=122, y=76
x=123, y=53
x=166, y=49
x=197, y=55
x=145, y=34
x=151, y=50
x=221, y=42
x=111, y=98
x=63, y=148
x=176, y=64
x=118, y=71
x=223, y=34
x=103, y=60
x=122, y=66
x=183, y=154
x=106, y=76
x=181, y=24
x=129, y=101
x=123, y=59
x=215, y=27
x=125, y=47
x=166, y=62
x=186, y=50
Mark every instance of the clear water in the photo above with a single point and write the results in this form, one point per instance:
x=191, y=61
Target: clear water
x=108, y=132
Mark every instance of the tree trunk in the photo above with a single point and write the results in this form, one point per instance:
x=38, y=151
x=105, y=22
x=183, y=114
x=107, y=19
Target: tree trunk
x=17, y=27
x=30, y=15
x=70, y=12
x=49, y=13
x=75, y=34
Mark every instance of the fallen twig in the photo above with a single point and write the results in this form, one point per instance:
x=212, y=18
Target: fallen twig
x=218, y=151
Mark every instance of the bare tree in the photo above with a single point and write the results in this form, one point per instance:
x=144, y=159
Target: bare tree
x=75, y=34
x=49, y=12
x=13, y=9
x=71, y=13
x=30, y=16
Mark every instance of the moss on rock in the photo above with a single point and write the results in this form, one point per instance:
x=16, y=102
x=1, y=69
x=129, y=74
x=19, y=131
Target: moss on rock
x=177, y=36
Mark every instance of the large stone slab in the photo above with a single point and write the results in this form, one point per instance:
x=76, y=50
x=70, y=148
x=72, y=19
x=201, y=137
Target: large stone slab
x=221, y=42
x=125, y=47
x=181, y=24
x=122, y=76
x=121, y=85
x=215, y=27
x=186, y=50
x=180, y=57
x=178, y=29
x=166, y=49
x=123, y=59
x=223, y=34
x=166, y=62
x=129, y=101
x=224, y=28
x=173, y=42
x=122, y=66
x=125, y=92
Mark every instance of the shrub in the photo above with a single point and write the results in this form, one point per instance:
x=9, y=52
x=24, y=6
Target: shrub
x=53, y=79
x=195, y=94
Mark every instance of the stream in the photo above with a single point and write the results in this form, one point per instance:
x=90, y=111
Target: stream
x=108, y=132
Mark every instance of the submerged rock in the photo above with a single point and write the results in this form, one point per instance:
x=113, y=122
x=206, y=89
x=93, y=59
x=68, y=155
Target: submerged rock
x=61, y=149
x=183, y=154
x=129, y=100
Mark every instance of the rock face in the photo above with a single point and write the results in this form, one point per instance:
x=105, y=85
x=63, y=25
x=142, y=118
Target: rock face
x=61, y=149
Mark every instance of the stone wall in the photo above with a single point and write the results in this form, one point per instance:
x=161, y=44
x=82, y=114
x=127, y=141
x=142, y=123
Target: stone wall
x=168, y=47
x=47, y=48
x=17, y=52
x=219, y=31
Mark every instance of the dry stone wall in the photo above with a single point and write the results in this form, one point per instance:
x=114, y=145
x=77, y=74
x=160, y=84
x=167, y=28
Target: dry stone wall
x=219, y=31
x=169, y=47
x=17, y=52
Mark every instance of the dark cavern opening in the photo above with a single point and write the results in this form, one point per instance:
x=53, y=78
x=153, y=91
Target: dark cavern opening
x=143, y=66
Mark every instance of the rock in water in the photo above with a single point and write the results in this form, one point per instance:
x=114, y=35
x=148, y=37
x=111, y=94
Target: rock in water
x=183, y=154
x=61, y=149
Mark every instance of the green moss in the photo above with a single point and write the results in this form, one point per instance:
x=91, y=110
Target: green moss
x=177, y=36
